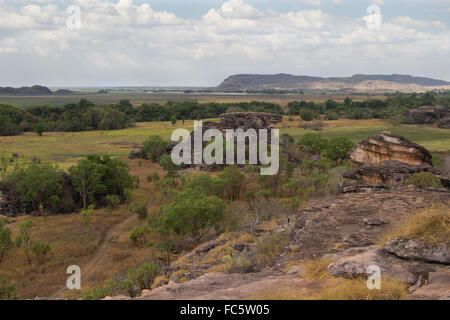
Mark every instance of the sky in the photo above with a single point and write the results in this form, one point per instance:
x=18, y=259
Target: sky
x=201, y=42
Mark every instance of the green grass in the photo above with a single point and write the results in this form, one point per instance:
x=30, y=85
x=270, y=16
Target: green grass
x=65, y=148
x=434, y=139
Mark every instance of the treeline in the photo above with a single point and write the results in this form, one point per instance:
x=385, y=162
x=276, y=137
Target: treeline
x=85, y=116
x=82, y=116
x=395, y=104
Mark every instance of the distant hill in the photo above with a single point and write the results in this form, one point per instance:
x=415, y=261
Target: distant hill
x=358, y=82
x=26, y=91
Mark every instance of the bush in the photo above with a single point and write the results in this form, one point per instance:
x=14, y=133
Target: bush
x=167, y=164
x=98, y=293
x=5, y=239
x=232, y=182
x=140, y=210
x=38, y=185
x=314, y=142
x=8, y=290
x=424, y=180
x=154, y=148
x=139, y=236
x=192, y=213
x=153, y=177
x=112, y=201
x=338, y=148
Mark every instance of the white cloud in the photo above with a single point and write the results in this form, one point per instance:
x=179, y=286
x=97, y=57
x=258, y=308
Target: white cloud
x=125, y=43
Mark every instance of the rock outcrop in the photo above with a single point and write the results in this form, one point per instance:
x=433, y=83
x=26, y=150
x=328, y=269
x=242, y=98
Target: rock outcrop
x=386, y=160
x=388, y=146
x=390, y=172
x=429, y=115
x=419, y=250
x=356, y=262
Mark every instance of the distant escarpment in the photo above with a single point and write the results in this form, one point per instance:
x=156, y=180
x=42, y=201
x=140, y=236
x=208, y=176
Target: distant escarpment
x=355, y=83
x=34, y=90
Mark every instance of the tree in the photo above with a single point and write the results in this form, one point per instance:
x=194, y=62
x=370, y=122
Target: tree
x=40, y=129
x=192, y=213
x=168, y=165
x=173, y=119
x=7, y=127
x=24, y=240
x=86, y=178
x=307, y=115
x=154, y=148
x=338, y=148
x=232, y=182
x=5, y=239
x=38, y=184
x=314, y=142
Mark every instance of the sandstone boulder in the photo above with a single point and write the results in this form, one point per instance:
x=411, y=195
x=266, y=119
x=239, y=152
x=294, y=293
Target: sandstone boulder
x=387, y=146
x=249, y=120
x=427, y=114
x=389, y=172
x=419, y=250
x=444, y=123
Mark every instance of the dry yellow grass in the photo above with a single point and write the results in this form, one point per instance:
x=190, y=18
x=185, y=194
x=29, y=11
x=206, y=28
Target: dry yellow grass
x=356, y=289
x=316, y=269
x=430, y=224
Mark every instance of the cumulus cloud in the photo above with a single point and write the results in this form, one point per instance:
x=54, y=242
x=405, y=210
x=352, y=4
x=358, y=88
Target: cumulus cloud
x=129, y=43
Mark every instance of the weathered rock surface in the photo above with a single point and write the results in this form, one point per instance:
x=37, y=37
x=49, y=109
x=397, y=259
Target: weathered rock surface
x=444, y=123
x=389, y=172
x=427, y=114
x=436, y=288
x=344, y=218
x=419, y=250
x=388, y=146
x=355, y=263
x=249, y=120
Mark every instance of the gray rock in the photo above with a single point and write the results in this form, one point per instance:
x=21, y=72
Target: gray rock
x=419, y=250
x=207, y=247
x=240, y=246
x=356, y=266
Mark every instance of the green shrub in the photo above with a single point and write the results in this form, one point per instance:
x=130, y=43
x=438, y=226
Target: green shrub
x=5, y=239
x=98, y=293
x=139, y=236
x=424, y=180
x=8, y=290
x=153, y=177
x=39, y=185
x=338, y=148
x=314, y=142
x=154, y=148
x=192, y=213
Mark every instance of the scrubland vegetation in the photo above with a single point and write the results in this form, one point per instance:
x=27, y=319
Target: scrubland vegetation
x=142, y=215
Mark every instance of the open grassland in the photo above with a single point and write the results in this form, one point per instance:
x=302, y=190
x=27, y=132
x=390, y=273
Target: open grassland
x=432, y=138
x=138, y=98
x=65, y=148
